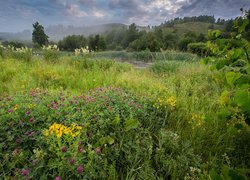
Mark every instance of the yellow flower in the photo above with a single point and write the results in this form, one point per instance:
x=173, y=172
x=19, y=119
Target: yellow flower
x=16, y=107
x=171, y=101
x=46, y=133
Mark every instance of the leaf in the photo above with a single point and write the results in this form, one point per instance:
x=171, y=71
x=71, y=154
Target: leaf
x=131, y=124
x=110, y=140
x=242, y=99
x=231, y=78
x=243, y=26
x=116, y=120
x=106, y=140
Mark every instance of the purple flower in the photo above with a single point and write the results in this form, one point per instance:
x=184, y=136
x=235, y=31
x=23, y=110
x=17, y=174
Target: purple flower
x=31, y=120
x=10, y=110
x=79, y=169
x=25, y=172
x=64, y=149
x=58, y=178
x=27, y=113
x=72, y=161
x=98, y=151
x=80, y=149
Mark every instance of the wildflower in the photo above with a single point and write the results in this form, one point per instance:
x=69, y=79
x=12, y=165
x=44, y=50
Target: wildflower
x=98, y=151
x=80, y=149
x=18, y=141
x=31, y=120
x=10, y=111
x=72, y=161
x=64, y=149
x=27, y=113
x=58, y=178
x=25, y=172
x=16, y=107
x=171, y=101
x=79, y=169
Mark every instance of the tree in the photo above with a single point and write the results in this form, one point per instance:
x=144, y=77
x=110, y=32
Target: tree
x=38, y=35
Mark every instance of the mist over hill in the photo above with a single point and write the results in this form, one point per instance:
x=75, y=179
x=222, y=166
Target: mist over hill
x=57, y=32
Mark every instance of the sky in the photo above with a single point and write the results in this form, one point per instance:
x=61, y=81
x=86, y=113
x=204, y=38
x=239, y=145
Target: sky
x=18, y=15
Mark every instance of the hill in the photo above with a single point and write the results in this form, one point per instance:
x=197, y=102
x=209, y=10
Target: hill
x=196, y=27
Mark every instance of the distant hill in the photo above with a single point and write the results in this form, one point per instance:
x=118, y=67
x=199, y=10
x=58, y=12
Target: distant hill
x=196, y=27
x=57, y=32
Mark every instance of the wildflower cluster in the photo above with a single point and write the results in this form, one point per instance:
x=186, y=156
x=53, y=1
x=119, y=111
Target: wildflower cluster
x=51, y=47
x=165, y=102
x=51, y=52
x=59, y=130
x=81, y=51
x=197, y=120
x=23, y=49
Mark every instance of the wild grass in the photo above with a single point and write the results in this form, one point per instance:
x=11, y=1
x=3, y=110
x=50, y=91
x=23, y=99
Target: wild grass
x=188, y=139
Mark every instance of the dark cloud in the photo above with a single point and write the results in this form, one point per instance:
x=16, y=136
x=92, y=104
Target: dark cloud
x=219, y=8
x=19, y=14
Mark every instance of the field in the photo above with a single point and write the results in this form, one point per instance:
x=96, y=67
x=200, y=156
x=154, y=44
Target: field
x=91, y=117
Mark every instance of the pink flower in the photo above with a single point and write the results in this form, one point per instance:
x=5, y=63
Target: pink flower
x=58, y=178
x=27, y=113
x=98, y=151
x=25, y=172
x=79, y=169
x=10, y=111
x=78, y=109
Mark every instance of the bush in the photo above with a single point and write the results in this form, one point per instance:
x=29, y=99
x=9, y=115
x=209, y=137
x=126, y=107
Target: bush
x=200, y=49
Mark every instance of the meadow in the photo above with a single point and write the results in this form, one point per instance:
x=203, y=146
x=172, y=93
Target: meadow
x=91, y=117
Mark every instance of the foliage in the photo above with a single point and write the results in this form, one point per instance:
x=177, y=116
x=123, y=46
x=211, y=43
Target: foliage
x=199, y=48
x=233, y=63
x=38, y=35
x=72, y=42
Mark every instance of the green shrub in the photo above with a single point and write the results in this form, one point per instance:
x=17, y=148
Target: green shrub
x=199, y=48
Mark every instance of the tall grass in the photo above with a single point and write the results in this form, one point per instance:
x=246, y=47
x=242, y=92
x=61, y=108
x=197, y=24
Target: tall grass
x=146, y=56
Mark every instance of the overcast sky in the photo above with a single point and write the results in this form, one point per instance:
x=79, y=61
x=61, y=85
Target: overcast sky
x=17, y=15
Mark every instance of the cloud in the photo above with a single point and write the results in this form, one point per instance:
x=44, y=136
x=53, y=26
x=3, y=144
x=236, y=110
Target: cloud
x=21, y=13
x=219, y=8
x=74, y=10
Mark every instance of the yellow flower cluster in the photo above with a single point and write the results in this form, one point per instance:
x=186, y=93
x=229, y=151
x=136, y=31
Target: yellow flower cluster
x=16, y=107
x=165, y=102
x=171, y=101
x=59, y=130
x=197, y=120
